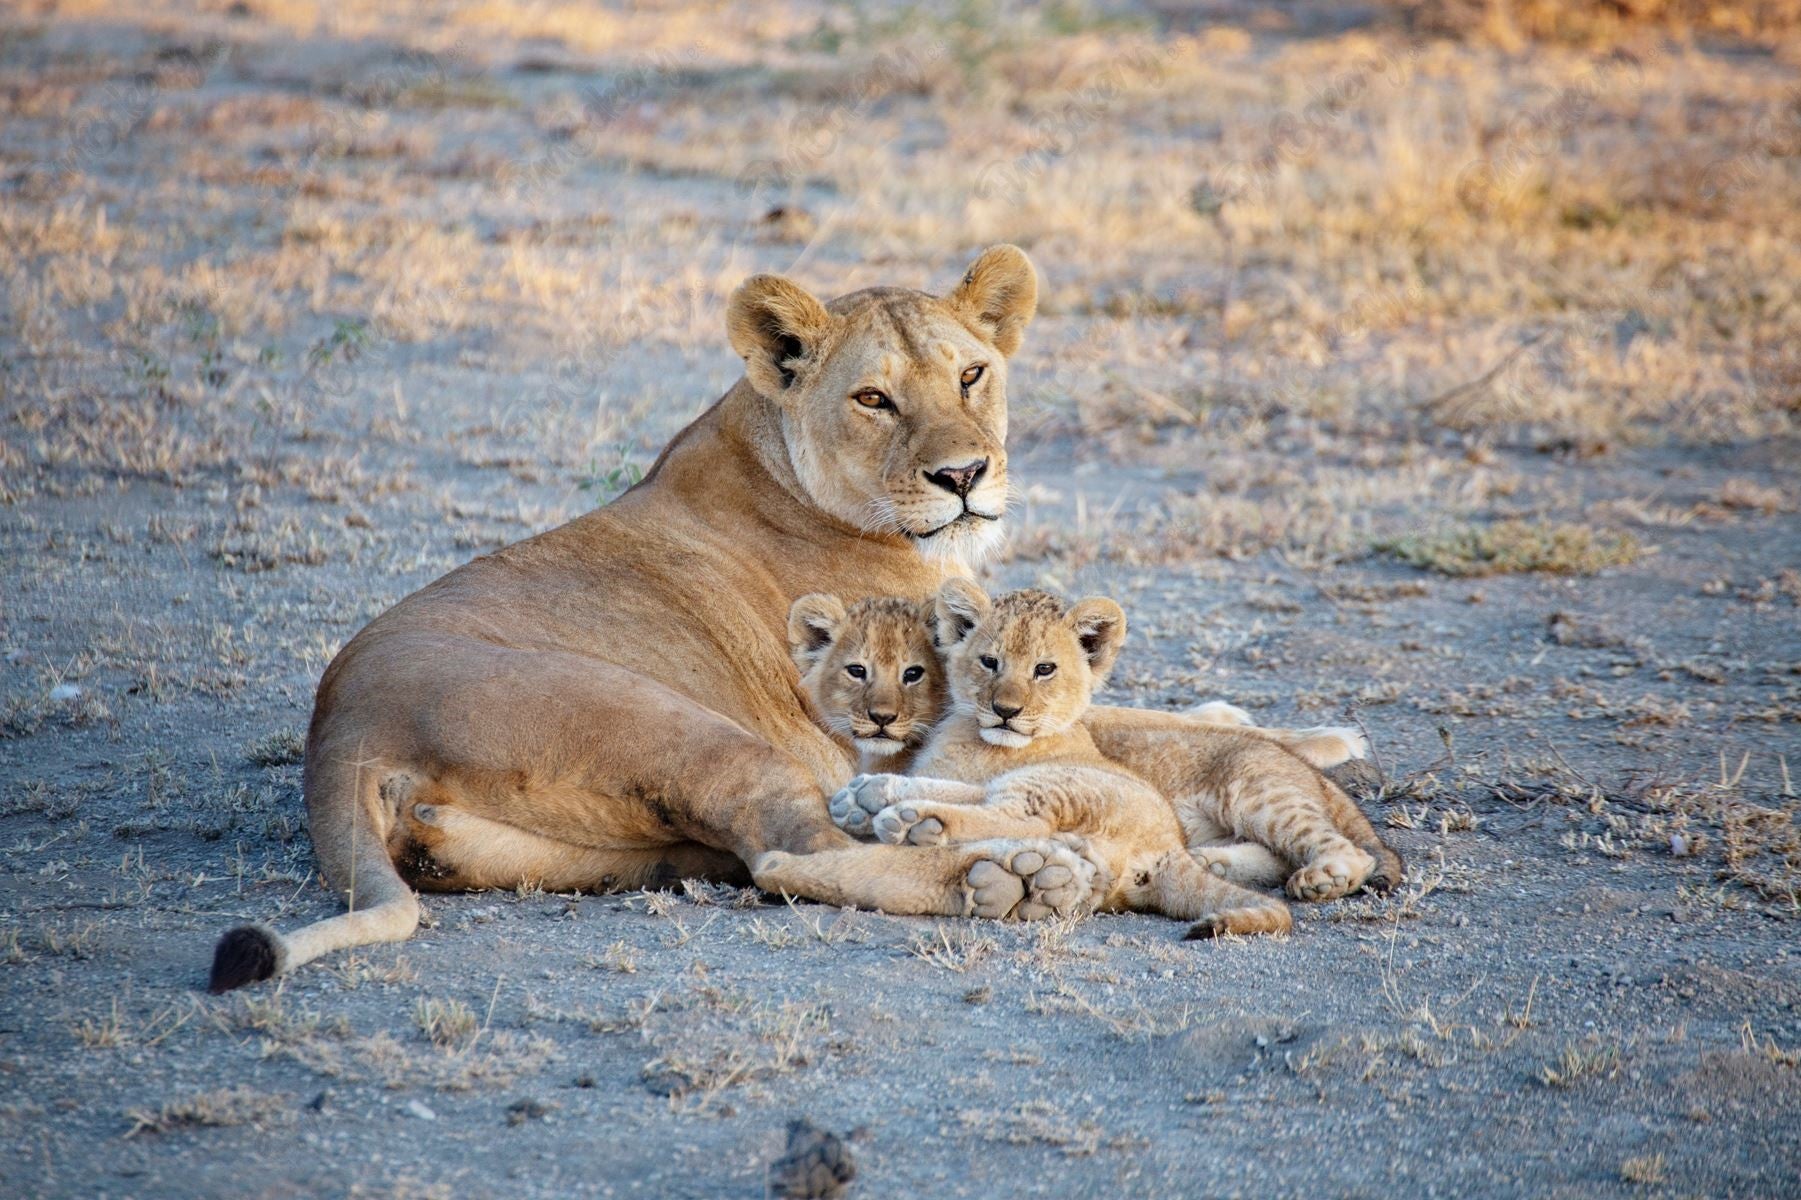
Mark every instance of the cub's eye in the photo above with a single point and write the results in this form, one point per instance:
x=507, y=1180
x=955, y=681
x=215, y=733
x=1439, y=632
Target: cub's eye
x=873, y=400
x=913, y=674
x=972, y=376
x=1045, y=670
x=991, y=662
x=856, y=671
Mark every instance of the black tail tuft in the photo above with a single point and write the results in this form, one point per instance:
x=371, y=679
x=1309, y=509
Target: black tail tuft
x=1205, y=930
x=247, y=954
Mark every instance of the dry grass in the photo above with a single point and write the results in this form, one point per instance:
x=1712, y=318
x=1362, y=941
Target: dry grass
x=1645, y=1169
x=1590, y=1060
x=1043, y=1123
x=1510, y=547
x=215, y=1109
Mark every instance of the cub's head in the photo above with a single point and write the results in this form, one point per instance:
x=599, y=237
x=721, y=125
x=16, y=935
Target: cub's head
x=893, y=403
x=1025, y=665
x=870, y=669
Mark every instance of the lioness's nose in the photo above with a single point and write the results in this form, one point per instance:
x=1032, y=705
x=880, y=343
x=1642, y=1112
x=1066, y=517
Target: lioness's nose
x=881, y=718
x=1006, y=712
x=958, y=480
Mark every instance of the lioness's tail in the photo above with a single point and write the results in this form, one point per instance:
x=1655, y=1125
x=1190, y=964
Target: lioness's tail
x=349, y=818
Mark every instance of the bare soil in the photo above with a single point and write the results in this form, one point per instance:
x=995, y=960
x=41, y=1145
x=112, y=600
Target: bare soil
x=303, y=306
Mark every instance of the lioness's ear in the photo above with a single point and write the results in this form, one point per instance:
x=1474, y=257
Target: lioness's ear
x=999, y=294
x=959, y=606
x=775, y=326
x=1100, y=625
x=813, y=623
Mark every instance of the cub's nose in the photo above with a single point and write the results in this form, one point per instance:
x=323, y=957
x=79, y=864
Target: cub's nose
x=958, y=480
x=1007, y=712
x=882, y=718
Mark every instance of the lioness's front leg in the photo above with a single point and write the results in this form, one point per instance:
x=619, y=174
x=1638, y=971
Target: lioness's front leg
x=1023, y=878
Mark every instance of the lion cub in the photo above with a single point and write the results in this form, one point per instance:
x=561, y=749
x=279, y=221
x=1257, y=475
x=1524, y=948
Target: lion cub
x=1012, y=759
x=872, y=673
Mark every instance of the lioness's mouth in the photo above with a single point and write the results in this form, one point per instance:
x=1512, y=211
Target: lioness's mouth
x=960, y=519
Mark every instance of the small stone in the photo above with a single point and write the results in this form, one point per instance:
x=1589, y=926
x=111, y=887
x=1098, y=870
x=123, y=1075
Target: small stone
x=817, y=1165
x=521, y=1111
x=62, y=693
x=418, y=1108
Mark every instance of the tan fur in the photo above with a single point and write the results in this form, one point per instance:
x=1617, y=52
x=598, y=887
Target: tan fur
x=1012, y=758
x=871, y=673
x=612, y=703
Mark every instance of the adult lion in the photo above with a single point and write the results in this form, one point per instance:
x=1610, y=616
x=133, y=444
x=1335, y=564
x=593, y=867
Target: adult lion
x=613, y=703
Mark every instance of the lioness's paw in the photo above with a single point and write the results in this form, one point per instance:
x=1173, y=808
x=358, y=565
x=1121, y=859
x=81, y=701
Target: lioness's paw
x=1331, y=875
x=854, y=806
x=1032, y=879
x=1218, y=712
x=901, y=824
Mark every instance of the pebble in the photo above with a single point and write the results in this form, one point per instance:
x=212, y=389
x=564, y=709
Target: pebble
x=417, y=1108
x=62, y=693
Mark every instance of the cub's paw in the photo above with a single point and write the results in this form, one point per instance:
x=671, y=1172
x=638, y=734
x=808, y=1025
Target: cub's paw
x=854, y=806
x=1031, y=879
x=1331, y=875
x=902, y=824
x=1218, y=712
x=1261, y=916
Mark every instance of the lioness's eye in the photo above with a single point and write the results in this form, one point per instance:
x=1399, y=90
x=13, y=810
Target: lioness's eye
x=856, y=671
x=991, y=662
x=871, y=399
x=972, y=376
x=1045, y=670
x=913, y=674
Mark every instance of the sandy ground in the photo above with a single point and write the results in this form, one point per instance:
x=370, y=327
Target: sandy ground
x=302, y=310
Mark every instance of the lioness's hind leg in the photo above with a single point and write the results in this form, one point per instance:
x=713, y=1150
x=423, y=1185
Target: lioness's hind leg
x=448, y=849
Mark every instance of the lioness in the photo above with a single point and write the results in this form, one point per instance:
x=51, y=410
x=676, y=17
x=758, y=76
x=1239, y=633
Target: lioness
x=1010, y=757
x=611, y=703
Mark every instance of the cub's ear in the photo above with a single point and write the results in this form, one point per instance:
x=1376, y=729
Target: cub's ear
x=777, y=327
x=959, y=606
x=813, y=624
x=998, y=295
x=1100, y=624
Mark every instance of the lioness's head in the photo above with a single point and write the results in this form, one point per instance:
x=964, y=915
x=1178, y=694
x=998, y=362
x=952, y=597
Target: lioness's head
x=870, y=669
x=893, y=402
x=1025, y=665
